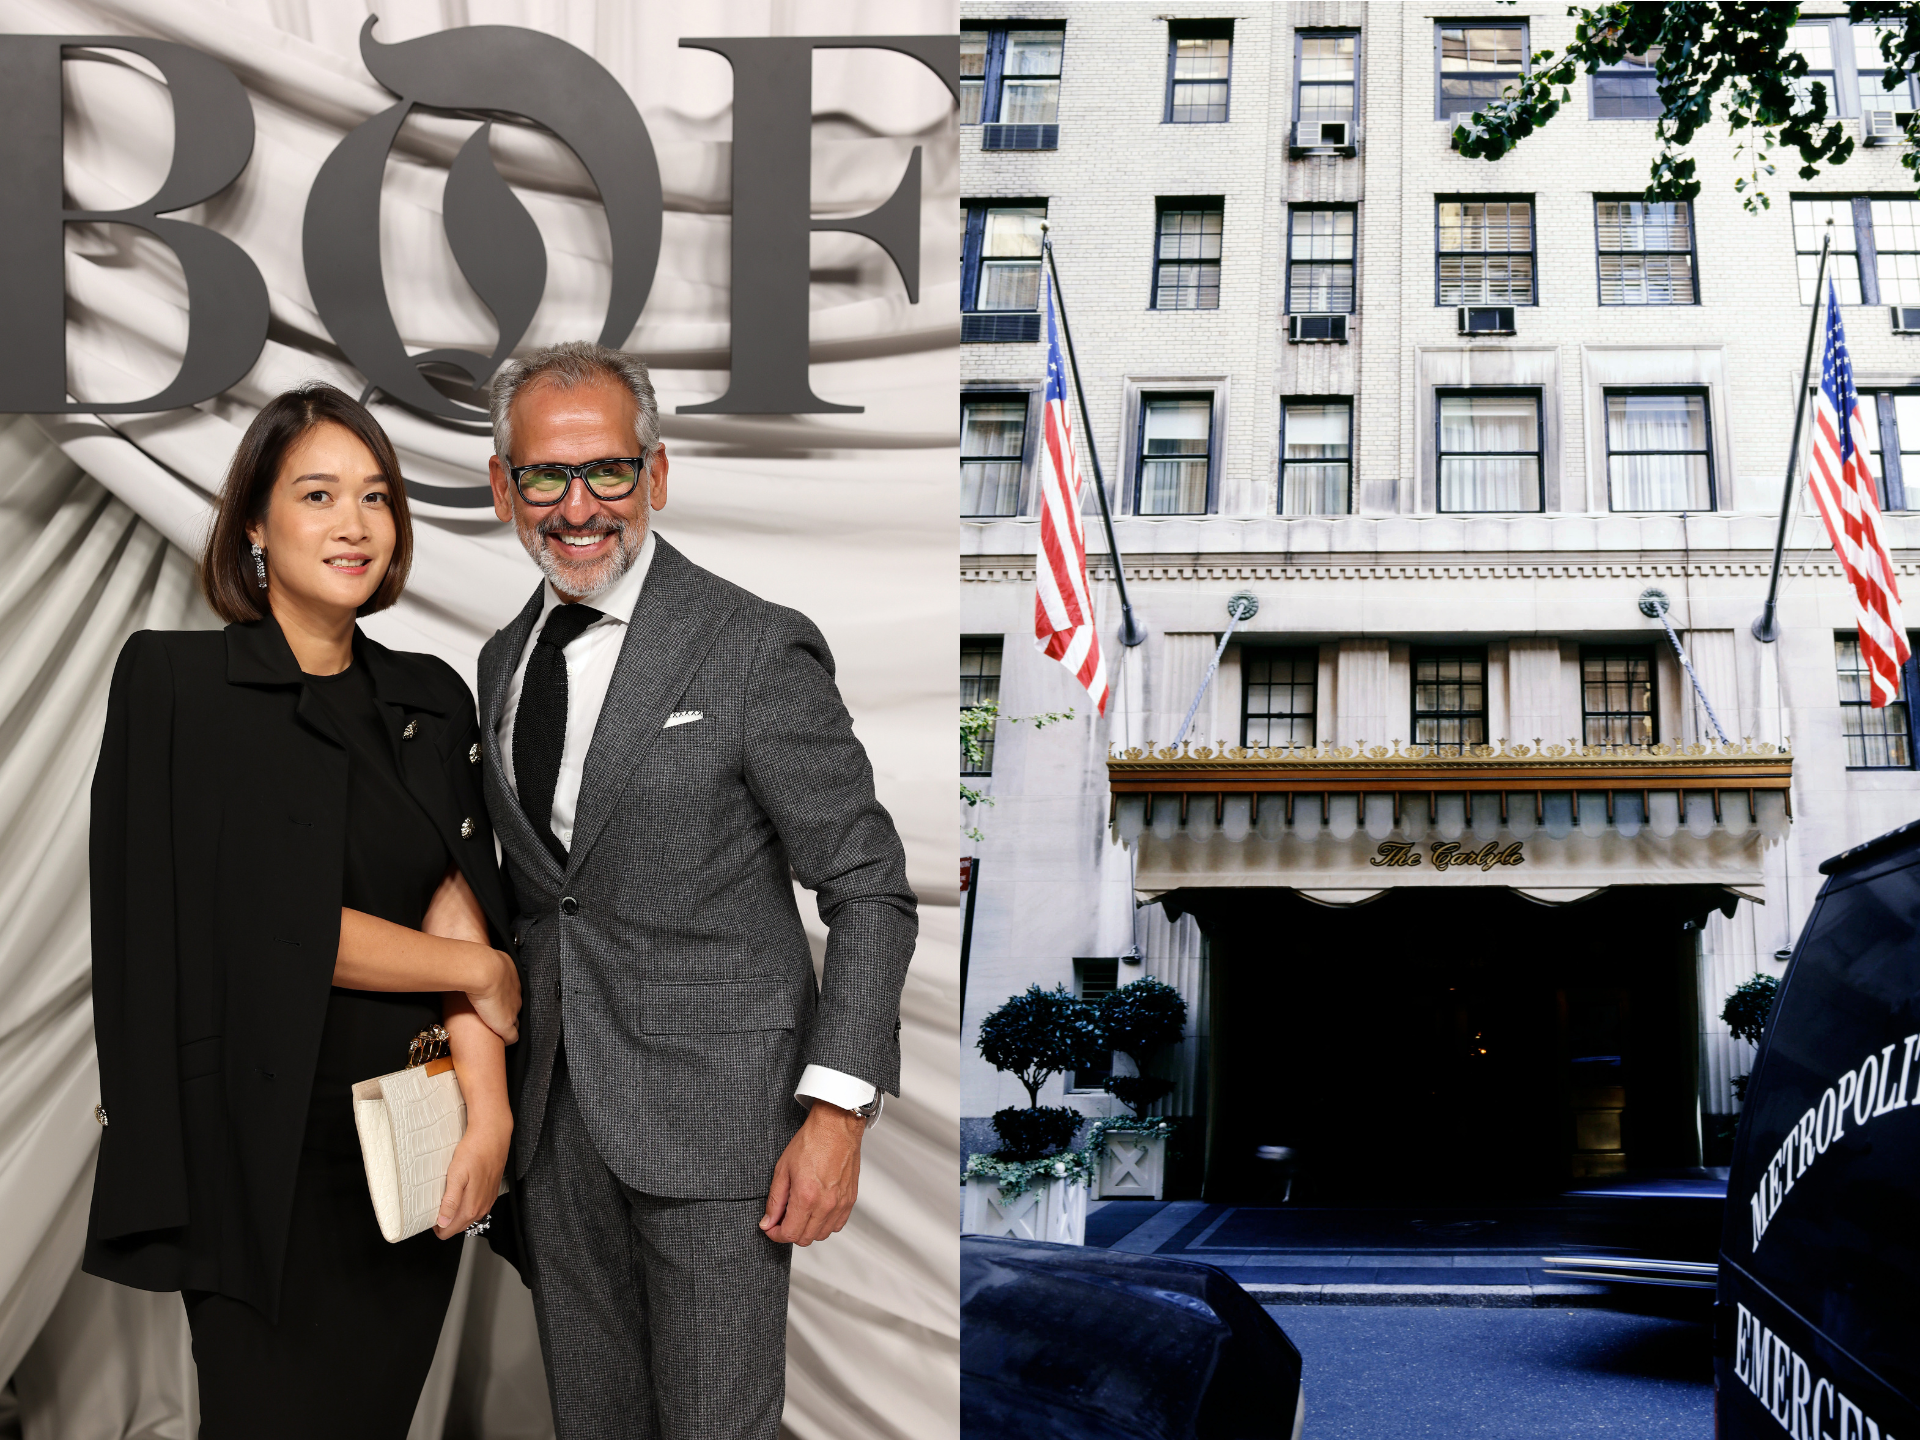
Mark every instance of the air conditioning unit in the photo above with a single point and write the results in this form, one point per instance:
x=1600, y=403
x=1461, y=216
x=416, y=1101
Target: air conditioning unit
x=1319, y=136
x=1486, y=320
x=1906, y=319
x=1317, y=329
x=1333, y=132
x=1886, y=127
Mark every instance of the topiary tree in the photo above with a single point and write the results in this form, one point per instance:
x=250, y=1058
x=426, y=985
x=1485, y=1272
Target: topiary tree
x=1033, y=1037
x=1746, y=1013
x=1138, y=1020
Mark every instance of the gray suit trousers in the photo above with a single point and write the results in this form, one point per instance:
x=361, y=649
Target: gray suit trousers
x=660, y=1319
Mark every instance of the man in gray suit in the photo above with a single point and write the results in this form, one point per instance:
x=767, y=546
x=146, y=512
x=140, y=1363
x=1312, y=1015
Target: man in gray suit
x=664, y=753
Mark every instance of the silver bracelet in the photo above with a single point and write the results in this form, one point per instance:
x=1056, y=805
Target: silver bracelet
x=480, y=1226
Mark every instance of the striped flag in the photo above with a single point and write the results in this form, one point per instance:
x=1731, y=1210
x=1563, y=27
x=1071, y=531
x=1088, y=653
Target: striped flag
x=1063, y=624
x=1845, y=491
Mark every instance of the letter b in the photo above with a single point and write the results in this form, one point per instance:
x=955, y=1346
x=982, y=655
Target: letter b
x=213, y=140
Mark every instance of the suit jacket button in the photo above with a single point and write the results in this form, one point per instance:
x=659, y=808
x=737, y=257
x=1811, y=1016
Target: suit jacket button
x=473, y=753
x=413, y=729
x=569, y=906
x=466, y=829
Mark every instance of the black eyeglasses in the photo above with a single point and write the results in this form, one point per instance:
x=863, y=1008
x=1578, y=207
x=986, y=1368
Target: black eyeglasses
x=548, y=483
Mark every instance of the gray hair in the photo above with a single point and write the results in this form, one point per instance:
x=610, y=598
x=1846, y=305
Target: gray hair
x=571, y=363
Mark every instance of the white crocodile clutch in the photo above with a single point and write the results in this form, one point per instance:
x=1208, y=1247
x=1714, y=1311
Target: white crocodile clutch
x=410, y=1123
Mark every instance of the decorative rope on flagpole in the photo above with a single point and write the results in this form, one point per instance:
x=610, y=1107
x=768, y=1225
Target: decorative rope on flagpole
x=1131, y=631
x=1766, y=628
x=1654, y=605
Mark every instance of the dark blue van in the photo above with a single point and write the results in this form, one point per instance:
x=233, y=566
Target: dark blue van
x=1818, y=1323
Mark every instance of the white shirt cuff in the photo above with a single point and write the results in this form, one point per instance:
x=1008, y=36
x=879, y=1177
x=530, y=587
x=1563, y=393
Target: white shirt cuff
x=836, y=1087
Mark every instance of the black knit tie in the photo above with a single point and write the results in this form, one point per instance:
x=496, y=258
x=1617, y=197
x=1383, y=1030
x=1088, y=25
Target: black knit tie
x=540, y=724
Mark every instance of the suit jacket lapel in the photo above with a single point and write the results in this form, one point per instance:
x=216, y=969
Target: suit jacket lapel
x=517, y=834
x=679, y=614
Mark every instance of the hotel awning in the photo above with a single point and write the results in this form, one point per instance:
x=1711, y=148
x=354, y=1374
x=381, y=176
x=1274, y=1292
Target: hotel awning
x=1343, y=823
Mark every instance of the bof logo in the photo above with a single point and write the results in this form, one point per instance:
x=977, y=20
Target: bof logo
x=488, y=70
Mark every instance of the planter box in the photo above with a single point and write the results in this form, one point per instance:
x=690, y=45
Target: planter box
x=1056, y=1211
x=1134, y=1166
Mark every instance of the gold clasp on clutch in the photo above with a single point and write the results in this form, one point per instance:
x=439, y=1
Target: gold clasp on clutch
x=429, y=1044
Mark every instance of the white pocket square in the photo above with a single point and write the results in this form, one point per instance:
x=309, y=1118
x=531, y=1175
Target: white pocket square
x=683, y=717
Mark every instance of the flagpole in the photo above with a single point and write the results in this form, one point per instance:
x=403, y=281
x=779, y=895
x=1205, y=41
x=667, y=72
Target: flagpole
x=1131, y=631
x=1766, y=629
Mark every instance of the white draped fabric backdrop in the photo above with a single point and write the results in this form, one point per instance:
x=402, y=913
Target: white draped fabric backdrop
x=846, y=516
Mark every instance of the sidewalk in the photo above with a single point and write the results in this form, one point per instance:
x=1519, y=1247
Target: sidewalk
x=1308, y=1256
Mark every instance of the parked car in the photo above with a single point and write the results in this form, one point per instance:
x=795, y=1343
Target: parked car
x=1817, y=1333
x=1059, y=1342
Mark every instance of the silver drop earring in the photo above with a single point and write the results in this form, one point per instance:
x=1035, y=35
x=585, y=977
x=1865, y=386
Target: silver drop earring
x=260, y=566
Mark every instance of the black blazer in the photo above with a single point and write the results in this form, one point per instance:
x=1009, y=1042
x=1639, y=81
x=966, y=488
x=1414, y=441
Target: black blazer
x=219, y=825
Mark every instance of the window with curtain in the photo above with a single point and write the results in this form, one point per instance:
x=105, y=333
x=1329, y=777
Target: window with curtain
x=1316, y=457
x=1320, y=261
x=1896, y=243
x=1277, y=696
x=1009, y=264
x=1186, y=273
x=1810, y=219
x=1485, y=252
x=1323, y=81
x=1616, y=695
x=973, y=74
x=1176, y=432
x=1489, y=451
x=1628, y=90
x=1478, y=63
x=993, y=435
x=1658, y=457
x=1199, y=72
x=1450, y=698
x=1646, y=252
x=1893, y=430
x=979, y=684
x=1030, y=83
x=1876, y=739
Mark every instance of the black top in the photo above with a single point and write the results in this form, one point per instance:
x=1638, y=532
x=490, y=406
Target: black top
x=224, y=844
x=392, y=863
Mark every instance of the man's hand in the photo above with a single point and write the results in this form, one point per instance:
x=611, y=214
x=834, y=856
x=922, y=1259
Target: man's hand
x=817, y=1179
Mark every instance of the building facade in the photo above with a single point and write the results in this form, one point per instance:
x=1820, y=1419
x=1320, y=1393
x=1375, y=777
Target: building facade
x=1447, y=421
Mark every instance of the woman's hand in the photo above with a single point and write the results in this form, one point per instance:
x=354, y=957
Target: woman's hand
x=498, y=1002
x=473, y=1175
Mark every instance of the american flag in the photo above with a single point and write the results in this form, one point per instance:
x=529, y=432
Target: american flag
x=1063, y=623
x=1845, y=491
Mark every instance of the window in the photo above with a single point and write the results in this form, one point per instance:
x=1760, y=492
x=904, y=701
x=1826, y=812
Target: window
x=1870, y=69
x=1478, y=63
x=1316, y=464
x=1319, y=261
x=1485, y=252
x=1199, y=71
x=1450, y=699
x=1894, y=443
x=1489, y=450
x=973, y=74
x=1658, y=456
x=1277, y=696
x=1646, y=252
x=1004, y=242
x=1186, y=269
x=993, y=435
x=1846, y=60
x=1323, y=81
x=1176, y=435
x=1810, y=219
x=1616, y=696
x=1627, y=91
x=1815, y=41
x=1091, y=980
x=1030, y=88
x=979, y=684
x=1876, y=739
x=1896, y=249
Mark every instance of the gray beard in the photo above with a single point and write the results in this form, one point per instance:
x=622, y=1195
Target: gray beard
x=583, y=579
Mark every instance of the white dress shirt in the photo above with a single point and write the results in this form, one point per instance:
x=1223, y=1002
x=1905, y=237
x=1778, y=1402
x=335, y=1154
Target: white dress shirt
x=590, y=663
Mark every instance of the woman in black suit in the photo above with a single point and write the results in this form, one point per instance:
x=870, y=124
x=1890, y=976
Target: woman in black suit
x=293, y=875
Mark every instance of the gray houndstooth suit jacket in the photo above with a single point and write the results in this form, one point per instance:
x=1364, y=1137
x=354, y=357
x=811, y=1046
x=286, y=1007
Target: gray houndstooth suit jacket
x=680, y=972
